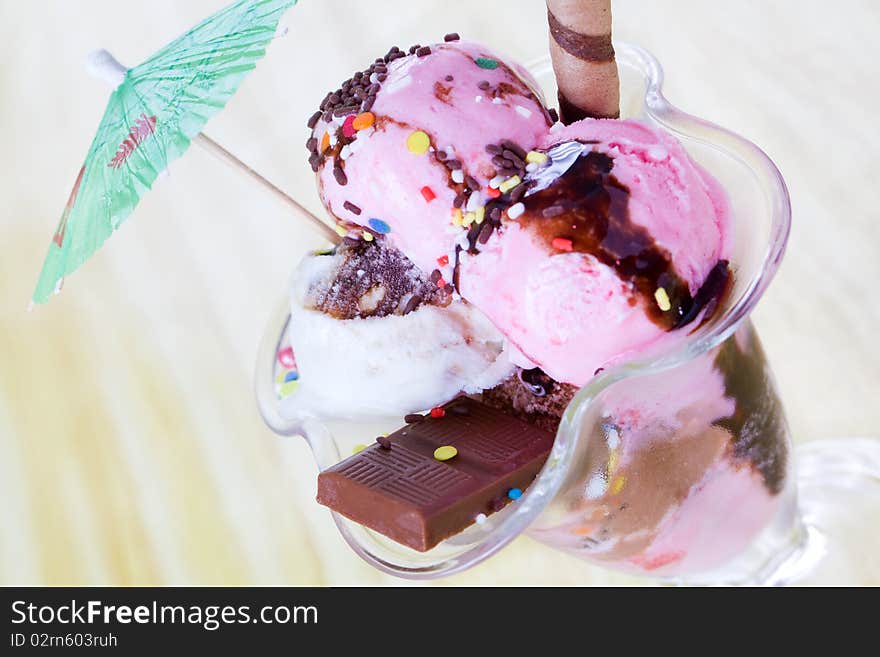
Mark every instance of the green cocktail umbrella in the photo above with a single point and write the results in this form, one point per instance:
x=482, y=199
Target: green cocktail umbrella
x=154, y=113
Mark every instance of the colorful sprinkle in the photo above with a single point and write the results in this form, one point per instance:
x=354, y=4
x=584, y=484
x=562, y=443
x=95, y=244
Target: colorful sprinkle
x=418, y=142
x=342, y=231
x=469, y=218
x=348, y=128
x=457, y=176
x=379, y=226
x=515, y=210
x=485, y=62
x=441, y=284
x=534, y=157
x=288, y=388
x=363, y=120
x=479, y=214
x=358, y=448
x=285, y=357
x=443, y=260
x=445, y=452
x=480, y=519
x=492, y=192
x=662, y=299
x=562, y=244
x=509, y=184
x=367, y=235
x=457, y=217
x=514, y=493
x=292, y=375
x=428, y=194
x=617, y=485
x=438, y=411
x=325, y=142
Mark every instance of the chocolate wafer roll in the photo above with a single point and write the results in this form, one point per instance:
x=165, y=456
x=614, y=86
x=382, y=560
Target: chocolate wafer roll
x=583, y=59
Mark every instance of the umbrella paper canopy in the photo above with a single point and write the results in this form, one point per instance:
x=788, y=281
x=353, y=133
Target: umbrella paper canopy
x=158, y=107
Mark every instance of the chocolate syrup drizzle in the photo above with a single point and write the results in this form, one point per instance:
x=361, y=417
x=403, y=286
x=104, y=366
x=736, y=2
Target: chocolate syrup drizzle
x=584, y=202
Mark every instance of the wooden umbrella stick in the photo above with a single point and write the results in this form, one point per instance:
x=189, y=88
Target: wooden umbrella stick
x=583, y=59
x=301, y=211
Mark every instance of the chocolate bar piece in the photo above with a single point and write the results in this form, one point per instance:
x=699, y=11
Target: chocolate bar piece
x=401, y=489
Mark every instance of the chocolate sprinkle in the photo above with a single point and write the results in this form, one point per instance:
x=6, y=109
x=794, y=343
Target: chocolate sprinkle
x=452, y=36
x=412, y=304
x=412, y=418
x=351, y=207
x=340, y=176
x=516, y=148
x=423, y=51
x=384, y=442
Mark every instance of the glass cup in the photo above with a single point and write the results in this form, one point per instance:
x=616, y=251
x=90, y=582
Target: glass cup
x=677, y=465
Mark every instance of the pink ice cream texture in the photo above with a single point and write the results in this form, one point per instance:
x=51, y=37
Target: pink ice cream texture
x=562, y=308
x=440, y=95
x=570, y=313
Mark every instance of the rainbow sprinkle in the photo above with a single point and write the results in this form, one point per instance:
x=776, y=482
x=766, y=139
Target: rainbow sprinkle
x=348, y=128
x=379, y=226
x=285, y=357
x=445, y=452
x=418, y=142
x=509, y=184
x=562, y=244
x=288, y=388
x=363, y=121
x=535, y=157
x=662, y=299
x=485, y=62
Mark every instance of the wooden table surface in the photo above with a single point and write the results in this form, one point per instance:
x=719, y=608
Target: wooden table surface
x=131, y=451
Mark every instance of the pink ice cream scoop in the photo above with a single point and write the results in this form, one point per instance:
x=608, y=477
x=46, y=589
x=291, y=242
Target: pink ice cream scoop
x=582, y=244
x=619, y=238
x=400, y=150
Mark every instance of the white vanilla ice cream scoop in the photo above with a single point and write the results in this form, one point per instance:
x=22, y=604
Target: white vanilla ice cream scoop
x=390, y=365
